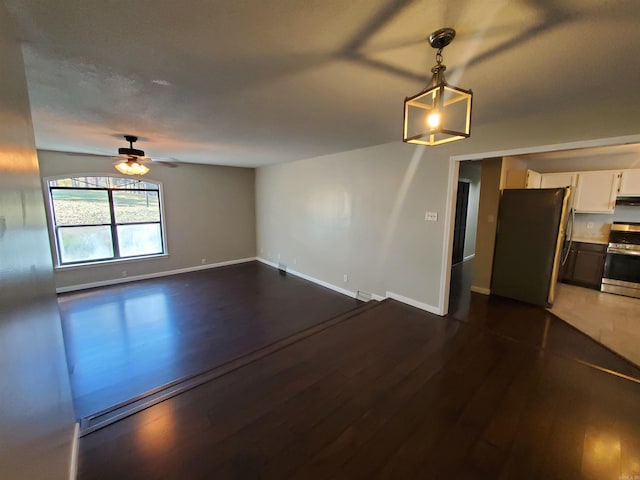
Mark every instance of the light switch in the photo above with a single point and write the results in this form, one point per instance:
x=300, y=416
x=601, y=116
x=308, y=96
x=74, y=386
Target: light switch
x=431, y=216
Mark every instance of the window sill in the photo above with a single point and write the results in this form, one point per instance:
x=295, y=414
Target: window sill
x=110, y=262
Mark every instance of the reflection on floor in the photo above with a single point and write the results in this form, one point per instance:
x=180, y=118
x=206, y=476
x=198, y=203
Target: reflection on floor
x=127, y=340
x=612, y=320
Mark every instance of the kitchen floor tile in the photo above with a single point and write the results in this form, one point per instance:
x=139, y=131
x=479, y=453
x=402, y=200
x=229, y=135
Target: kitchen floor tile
x=612, y=320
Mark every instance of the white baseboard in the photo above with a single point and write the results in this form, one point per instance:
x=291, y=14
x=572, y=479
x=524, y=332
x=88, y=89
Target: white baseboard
x=75, y=445
x=483, y=291
x=267, y=262
x=415, y=303
x=317, y=281
x=349, y=293
x=468, y=257
x=114, y=281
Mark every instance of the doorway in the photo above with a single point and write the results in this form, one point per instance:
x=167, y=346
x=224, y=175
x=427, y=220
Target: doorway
x=460, y=225
x=465, y=232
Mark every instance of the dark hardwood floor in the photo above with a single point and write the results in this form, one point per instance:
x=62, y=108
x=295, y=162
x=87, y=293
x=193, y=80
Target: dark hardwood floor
x=528, y=324
x=124, y=340
x=493, y=391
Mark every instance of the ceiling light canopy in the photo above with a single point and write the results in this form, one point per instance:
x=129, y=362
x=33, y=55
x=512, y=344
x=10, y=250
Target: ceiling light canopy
x=440, y=113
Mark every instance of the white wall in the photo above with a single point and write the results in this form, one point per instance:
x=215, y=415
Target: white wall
x=361, y=213
x=471, y=171
x=36, y=412
x=209, y=214
x=358, y=213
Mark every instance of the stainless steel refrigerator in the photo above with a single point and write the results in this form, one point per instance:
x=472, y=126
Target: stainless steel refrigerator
x=529, y=243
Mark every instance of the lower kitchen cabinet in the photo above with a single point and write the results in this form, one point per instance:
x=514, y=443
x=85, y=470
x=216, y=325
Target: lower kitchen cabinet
x=584, y=265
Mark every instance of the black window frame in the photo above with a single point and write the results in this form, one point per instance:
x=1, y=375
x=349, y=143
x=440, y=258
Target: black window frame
x=113, y=224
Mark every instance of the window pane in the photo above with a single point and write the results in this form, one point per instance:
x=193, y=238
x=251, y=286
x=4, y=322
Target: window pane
x=139, y=239
x=78, y=244
x=80, y=207
x=134, y=206
x=131, y=183
x=102, y=182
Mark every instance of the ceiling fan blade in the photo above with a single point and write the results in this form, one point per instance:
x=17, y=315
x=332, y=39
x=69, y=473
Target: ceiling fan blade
x=164, y=163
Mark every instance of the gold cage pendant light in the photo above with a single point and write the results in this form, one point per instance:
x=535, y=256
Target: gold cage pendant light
x=440, y=113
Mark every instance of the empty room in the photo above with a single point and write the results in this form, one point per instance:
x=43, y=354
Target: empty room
x=288, y=239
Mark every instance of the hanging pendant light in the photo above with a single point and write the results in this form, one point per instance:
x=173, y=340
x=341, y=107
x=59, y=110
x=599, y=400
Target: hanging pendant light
x=440, y=113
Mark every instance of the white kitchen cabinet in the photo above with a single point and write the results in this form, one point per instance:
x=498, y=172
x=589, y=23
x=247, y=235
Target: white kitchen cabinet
x=515, y=179
x=532, y=179
x=596, y=192
x=630, y=183
x=558, y=180
x=521, y=179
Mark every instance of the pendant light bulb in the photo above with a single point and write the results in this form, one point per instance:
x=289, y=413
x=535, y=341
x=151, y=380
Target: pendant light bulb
x=433, y=120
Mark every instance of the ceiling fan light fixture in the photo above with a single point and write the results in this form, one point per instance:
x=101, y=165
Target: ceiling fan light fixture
x=130, y=164
x=440, y=113
x=131, y=167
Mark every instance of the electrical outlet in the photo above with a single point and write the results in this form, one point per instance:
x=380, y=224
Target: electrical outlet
x=345, y=277
x=203, y=261
x=431, y=216
x=589, y=225
x=295, y=260
x=124, y=273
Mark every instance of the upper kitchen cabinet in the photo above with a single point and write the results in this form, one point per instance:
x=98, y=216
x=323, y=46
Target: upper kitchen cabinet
x=630, y=183
x=596, y=192
x=521, y=179
x=558, y=180
x=532, y=179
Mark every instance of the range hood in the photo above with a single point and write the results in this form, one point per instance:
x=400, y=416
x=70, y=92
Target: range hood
x=630, y=201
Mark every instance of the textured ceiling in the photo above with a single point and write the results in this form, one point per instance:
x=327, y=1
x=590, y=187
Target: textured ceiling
x=254, y=82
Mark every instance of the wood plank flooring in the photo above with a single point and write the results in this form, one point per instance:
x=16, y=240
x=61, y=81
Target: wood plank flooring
x=124, y=340
x=494, y=391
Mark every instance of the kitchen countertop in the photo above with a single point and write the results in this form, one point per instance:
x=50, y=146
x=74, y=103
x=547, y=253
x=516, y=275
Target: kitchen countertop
x=594, y=239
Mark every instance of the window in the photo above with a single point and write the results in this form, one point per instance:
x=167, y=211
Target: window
x=96, y=219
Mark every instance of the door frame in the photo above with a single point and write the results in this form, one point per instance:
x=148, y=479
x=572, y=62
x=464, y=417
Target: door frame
x=452, y=191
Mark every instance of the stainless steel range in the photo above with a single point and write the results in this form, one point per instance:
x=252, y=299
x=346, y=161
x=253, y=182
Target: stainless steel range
x=622, y=264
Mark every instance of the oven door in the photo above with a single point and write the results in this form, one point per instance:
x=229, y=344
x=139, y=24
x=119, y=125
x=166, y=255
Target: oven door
x=622, y=271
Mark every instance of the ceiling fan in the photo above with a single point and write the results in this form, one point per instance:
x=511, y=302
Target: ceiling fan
x=131, y=161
